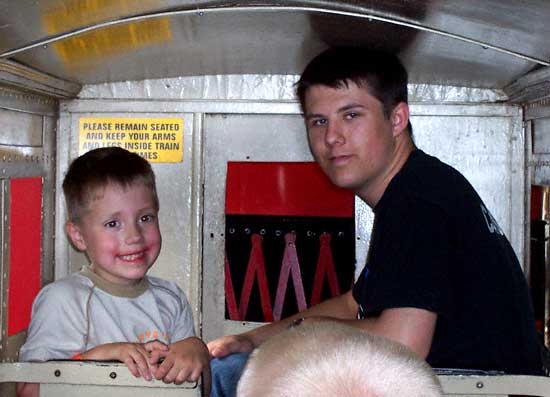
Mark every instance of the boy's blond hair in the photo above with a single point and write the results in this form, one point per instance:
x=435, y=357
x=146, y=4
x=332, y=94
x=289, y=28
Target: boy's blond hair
x=327, y=358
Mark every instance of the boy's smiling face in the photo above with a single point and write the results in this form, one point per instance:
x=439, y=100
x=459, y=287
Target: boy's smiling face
x=119, y=232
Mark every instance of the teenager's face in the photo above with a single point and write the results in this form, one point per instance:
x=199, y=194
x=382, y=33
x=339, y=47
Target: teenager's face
x=120, y=233
x=349, y=136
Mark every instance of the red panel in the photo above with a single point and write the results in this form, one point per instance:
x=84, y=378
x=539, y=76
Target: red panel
x=536, y=202
x=284, y=189
x=25, y=243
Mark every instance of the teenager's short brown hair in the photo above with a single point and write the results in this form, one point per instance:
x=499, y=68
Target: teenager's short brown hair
x=381, y=73
x=99, y=168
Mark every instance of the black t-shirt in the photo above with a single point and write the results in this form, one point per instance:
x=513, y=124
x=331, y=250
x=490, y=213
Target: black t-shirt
x=435, y=246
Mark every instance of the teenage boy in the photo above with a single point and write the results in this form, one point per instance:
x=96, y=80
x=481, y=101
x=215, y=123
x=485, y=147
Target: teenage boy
x=111, y=310
x=441, y=277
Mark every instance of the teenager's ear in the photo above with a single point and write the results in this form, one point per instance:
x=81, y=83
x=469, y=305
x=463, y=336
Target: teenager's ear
x=400, y=118
x=75, y=235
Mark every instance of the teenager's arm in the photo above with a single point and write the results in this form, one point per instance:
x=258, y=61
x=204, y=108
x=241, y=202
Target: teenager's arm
x=411, y=327
x=342, y=307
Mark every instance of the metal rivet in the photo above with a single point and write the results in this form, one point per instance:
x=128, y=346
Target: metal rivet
x=112, y=375
x=57, y=373
x=479, y=385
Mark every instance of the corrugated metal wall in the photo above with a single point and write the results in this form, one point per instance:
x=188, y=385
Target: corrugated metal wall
x=255, y=118
x=27, y=155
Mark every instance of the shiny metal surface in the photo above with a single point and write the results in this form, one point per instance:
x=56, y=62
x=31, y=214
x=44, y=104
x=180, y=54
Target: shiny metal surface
x=470, y=43
x=20, y=129
x=26, y=150
x=90, y=379
x=255, y=116
x=36, y=104
x=265, y=87
x=237, y=137
x=26, y=79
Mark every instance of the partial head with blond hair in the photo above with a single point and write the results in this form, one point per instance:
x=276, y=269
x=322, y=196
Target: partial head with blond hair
x=327, y=358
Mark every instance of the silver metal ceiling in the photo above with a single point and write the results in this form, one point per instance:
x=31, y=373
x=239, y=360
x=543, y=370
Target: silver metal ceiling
x=473, y=43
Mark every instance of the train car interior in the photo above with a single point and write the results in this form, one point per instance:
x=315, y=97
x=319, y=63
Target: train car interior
x=204, y=90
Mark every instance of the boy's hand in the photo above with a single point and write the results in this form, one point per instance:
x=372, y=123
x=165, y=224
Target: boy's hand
x=140, y=358
x=157, y=350
x=185, y=361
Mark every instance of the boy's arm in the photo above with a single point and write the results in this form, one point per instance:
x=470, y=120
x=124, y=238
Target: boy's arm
x=28, y=389
x=58, y=303
x=185, y=361
x=140, y=358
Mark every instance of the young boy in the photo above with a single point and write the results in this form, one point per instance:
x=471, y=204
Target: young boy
x=112, y=310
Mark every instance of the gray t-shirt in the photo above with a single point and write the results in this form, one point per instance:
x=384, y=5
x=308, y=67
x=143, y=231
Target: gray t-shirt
x=81, y=311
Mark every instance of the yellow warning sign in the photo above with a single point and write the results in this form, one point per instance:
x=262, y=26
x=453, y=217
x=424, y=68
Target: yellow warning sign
x=159, y=140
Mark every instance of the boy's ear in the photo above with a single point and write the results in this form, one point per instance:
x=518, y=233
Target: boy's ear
x=75, y=235
x=400, y=118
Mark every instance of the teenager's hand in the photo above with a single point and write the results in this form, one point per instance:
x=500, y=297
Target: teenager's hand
x=226, y=345
x=185, y=361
